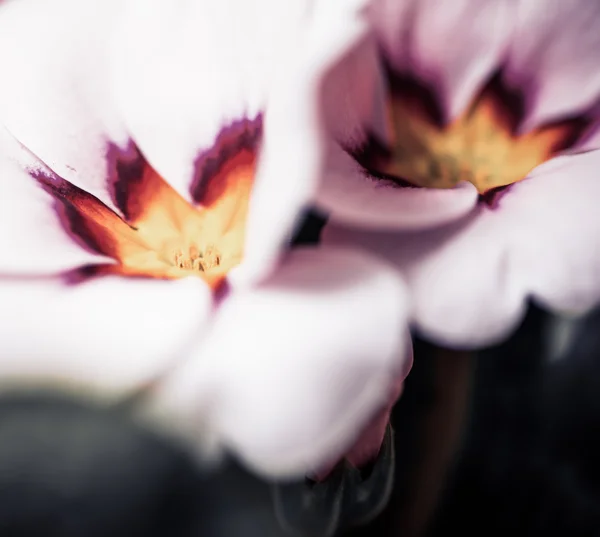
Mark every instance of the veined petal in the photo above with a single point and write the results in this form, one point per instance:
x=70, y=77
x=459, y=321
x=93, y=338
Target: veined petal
x=54, y=96
x=33, y=240
x=470, y=281
x=106, y=337
x=294, y=369
x=555, y=57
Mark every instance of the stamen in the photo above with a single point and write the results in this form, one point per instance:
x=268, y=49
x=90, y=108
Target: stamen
x=197, y=260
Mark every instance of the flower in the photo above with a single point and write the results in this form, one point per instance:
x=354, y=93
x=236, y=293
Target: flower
x=461, y=142
x=143, y=232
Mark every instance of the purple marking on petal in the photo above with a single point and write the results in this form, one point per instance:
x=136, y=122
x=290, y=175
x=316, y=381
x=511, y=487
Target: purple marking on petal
x=242, y=134
x=76, y=227
x=125, y=166
x=419, y=98
x=70, y=219
x=491, y=198
x=73, y=221
x=84, y=274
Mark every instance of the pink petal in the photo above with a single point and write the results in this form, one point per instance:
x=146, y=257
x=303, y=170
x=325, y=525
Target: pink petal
x=555, y=57
x=54, y=95
x=332, y=94
x=560, y=222
x=354, y=198
x=294, y=369
x=106, y=337
x=470, y=281
x=32, y=238
x=462, y=278
x=452, y=46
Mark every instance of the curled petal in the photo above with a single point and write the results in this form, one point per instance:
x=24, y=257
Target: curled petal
x=294, y=369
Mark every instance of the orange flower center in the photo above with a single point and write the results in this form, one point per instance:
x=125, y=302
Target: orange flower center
x=162, y=235
x=482, y=146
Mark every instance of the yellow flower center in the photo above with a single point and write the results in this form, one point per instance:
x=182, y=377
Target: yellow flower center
x=161, y=234
x=482, y=146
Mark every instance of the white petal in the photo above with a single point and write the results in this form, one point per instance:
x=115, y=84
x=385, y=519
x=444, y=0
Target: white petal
x=54, y=96
x=32, y=238
x=106, y=337
x=294, y=369
x=184, y=70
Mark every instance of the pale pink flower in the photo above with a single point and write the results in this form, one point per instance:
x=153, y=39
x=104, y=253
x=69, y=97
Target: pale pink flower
x=461, y=141
x=145, y=207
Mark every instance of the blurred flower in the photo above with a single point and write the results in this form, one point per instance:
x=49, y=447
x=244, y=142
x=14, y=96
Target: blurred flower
x=143, y=231
x=461, y=141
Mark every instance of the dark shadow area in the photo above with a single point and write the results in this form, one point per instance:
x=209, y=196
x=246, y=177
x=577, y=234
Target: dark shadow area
x=531, y=462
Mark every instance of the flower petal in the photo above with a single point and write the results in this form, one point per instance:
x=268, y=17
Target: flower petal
x=32, y=238
x=105, y=337
x=555, y=56
x=557, y=214
x=470, y=281
x=461, y=276
x=54, y=96
x=295, y=368
x=338, y=96
x=453, y=47
x=354, y=198
x=293, y=144
x=192, y=68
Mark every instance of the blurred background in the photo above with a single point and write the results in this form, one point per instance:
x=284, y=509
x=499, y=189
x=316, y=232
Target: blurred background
x=502, y=442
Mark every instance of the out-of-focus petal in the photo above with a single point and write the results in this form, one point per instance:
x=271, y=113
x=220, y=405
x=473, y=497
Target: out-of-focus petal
x=556, y=213
x=294, y=369
x=462, y=277
x=555, y=57
x=470, y=281
x=294, y=134
x=452, y=46
x=333, y=101
x=32, y=238
x=106, y=337
x=55, y=94
x=354, y=198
